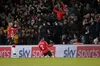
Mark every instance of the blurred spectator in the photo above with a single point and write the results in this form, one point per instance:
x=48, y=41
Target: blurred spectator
x=96, y=41
x=2, y=38
x=78, y=42
x=61, y=10
x=11, y=32
x=16, y=37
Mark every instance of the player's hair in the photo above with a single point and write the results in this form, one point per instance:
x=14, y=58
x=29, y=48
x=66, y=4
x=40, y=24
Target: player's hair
x=42, y=38
x=10, y=23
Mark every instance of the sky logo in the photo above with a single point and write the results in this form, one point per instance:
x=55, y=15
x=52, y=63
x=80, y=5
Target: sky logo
x=24, y=53
x=69, y=52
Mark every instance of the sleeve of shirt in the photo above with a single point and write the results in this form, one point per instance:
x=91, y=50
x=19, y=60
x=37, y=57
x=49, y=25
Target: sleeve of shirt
x=64, y=7
x=15, y=29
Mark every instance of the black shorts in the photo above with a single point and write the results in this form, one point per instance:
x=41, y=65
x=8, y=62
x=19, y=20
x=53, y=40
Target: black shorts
x=48, y=53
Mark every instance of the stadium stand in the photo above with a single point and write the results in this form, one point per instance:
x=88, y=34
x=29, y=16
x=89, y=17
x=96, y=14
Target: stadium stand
x=35, y=19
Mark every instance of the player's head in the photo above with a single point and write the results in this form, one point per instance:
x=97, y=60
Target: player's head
x=51, y=42
x=42, y=38
x=10, y=24
x=60, y=9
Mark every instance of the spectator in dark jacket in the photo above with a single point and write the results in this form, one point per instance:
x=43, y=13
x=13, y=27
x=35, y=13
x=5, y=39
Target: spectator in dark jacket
x=2, y=38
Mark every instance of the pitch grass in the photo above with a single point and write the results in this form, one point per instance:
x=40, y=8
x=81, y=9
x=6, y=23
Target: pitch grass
x=49, y=61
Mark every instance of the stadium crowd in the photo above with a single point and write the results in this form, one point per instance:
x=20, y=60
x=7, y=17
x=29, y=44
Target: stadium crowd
x=59, y=21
